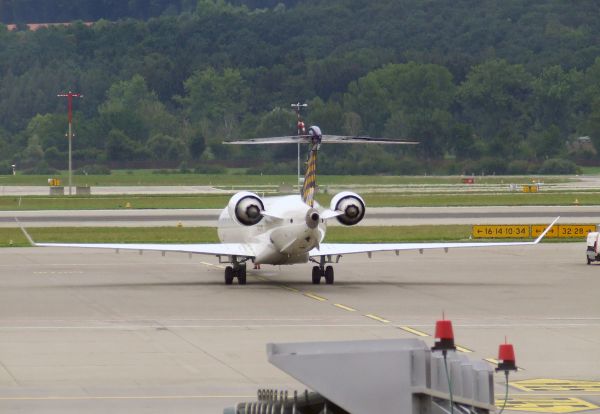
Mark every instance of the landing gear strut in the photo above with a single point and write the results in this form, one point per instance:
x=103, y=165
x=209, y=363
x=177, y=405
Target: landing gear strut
x=322, y=271
x=238, y=270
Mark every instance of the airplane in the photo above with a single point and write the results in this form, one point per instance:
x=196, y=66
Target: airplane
x=290, y=229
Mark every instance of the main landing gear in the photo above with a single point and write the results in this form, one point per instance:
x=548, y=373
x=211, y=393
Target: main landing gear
x=239, y=271
x=319, y=272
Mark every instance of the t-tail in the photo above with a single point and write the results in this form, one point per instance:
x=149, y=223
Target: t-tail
x=315, y=138
x=310, y=175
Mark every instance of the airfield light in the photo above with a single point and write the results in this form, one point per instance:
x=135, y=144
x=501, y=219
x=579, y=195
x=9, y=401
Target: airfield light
x=444, y=341
x=444, y=336
x=70, y=95
x=506, y=363
x=506, y=358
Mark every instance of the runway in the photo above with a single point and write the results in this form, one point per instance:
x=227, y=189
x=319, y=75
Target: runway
x=96, y=332
x=378, y=216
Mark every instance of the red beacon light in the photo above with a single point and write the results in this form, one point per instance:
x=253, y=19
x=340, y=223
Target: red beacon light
x=301, y=127
x=506, y=358
x=444, y=336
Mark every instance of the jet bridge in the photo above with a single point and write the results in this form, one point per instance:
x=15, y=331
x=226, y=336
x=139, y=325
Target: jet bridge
x=374, y=377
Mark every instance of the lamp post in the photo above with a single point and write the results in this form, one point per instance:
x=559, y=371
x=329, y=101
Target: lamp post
x=301, y=130
x=70, y=95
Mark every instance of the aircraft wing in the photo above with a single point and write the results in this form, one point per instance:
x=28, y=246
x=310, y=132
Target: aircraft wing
x=214, y=249
x=333, y=249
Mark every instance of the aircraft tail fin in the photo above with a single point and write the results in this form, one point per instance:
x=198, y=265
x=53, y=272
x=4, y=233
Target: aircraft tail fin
x=314, y=138
x=310, y=177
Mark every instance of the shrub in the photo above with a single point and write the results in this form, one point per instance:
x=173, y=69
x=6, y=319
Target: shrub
x=489, y=166
x=5, y=168
x=518, y=167
x=93, y=169
x=209, y=169
x=558, y=166
x=41, y=168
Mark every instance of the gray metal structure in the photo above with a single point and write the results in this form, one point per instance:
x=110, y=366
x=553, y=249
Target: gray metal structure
x=375, y=376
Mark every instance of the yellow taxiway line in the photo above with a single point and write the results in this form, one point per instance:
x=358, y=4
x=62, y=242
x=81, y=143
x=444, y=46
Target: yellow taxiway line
x=344, y=307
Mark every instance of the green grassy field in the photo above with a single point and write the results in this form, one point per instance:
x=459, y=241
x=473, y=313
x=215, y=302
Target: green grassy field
x=147, y=177
x=14, y=236
x=590, y=170
x=371, y=199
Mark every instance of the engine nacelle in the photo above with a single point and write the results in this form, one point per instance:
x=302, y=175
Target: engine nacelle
x=351, y=204
x=246, y=208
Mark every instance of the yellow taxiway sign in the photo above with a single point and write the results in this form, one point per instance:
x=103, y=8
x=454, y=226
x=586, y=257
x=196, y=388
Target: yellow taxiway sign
x=526, y=231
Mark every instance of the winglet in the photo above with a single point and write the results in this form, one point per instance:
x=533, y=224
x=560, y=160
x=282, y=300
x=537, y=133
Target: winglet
x=27, y=236
x=541, y=236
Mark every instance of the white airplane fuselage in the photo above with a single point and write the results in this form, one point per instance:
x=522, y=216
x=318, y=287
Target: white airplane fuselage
x=285, y=235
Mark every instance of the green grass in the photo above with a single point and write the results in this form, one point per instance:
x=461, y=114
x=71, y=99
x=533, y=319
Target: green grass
x=590, y=170
x=125, y=235
x=112, y=202
x=372, y=199
x=384, y=234
x=147, y=177
x=481, y=199
x=209, y=234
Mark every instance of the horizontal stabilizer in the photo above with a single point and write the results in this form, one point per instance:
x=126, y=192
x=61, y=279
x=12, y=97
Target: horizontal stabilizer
x=342, y=139
x=330, y=139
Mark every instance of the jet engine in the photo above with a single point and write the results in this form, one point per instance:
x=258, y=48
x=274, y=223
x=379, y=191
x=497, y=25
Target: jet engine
x=351, y=205
x=246, y=208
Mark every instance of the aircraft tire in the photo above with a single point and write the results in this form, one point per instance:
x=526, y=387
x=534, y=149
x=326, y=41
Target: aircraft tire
x=316, y=275
x=228, y=275
x=329, y=275
x=242, y=275
x=589, y=261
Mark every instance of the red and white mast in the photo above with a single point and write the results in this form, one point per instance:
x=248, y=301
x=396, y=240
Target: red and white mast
x=301, y=130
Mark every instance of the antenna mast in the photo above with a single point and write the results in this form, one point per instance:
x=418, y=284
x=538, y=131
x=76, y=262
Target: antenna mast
x=70, y=95
x=301, y=130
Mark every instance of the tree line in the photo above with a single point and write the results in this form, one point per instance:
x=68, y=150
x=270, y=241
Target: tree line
x=485, y=86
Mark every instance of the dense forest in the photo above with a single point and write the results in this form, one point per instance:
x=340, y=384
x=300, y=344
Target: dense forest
x=486, y=86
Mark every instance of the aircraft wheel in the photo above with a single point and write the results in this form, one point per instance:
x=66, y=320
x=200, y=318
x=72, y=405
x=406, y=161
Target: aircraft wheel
x=228, y=275
x=589, y=261
x=242, y=275
x=316, y=275
x=329, y=275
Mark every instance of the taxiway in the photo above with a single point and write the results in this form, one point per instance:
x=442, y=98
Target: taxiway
x=96, y=332
x=376, y=216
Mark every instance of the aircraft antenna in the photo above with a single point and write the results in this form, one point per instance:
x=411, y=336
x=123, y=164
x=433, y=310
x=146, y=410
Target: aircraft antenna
x=301, y=130
x=70, y=95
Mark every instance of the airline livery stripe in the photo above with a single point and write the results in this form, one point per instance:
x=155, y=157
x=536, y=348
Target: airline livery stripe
x=308, y=190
